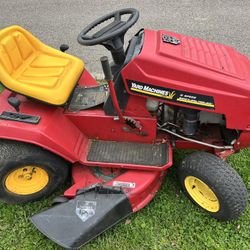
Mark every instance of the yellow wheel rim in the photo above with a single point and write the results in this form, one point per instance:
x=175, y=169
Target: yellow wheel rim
x=202, y=194
x=27, y=180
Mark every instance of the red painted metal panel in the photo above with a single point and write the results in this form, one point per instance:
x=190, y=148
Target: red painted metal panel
x=96, y=125
x=87, y=80
x=145, y=184
x=243, y=141
x=136, y=106
x=55, y=132
x=198, y=67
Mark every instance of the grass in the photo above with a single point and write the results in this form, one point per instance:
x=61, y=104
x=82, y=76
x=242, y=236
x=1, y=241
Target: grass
x=170, y=221
x=1, y=88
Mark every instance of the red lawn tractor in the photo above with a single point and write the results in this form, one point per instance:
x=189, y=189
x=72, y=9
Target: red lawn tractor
x=165, y=91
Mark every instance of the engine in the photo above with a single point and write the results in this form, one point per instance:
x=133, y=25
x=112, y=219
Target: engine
x=191, y=123
x=188, y=121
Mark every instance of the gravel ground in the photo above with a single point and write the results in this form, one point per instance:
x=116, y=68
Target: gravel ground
x=59, y=21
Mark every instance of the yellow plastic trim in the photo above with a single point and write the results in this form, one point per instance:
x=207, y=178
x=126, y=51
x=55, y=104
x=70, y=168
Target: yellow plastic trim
x=27, y=180
x=31, y=68
x=202, y=194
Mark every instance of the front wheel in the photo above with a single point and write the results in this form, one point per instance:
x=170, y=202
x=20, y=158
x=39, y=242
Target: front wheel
x=28, y=173
x=213, y=185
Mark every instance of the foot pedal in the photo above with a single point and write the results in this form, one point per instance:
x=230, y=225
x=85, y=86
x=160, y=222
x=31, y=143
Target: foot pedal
x=85, y=98
x=74, y=223
x=128, y=153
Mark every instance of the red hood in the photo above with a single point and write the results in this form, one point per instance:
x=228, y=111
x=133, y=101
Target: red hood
x=195, y=66
x=208, y=55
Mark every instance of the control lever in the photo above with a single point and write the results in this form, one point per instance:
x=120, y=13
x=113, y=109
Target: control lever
x=106, y=68
x=15, y=103
x=109, y=78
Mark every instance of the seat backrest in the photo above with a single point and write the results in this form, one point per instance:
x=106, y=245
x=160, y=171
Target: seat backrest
x=15, y=49
x=31, y=68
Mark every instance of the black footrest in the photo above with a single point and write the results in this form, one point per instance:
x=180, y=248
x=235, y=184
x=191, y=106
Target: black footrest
x=128, y=153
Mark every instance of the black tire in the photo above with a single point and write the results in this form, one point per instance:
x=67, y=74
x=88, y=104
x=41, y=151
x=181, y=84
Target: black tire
x=16, y=155
x=221, y=178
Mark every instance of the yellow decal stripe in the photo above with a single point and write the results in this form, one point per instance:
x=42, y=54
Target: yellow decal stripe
x=197, y=103
x=168, y=97
x=154, y=94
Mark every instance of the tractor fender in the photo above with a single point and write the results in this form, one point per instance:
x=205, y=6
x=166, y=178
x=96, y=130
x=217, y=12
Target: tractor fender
x=54, y=132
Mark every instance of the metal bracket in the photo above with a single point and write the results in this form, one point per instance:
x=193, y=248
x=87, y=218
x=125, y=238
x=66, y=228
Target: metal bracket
x=85, y=98
x=18, y=117
x=134, y=126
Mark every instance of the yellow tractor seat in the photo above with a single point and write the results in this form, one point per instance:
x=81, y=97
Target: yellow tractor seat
x=31, y=68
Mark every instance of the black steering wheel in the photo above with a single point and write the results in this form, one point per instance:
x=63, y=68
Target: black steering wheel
x=114, y=30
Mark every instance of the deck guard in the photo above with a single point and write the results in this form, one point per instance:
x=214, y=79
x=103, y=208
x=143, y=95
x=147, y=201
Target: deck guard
x=77, y=221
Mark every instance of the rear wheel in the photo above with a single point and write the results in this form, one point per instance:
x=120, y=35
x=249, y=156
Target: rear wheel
x=213, y=185
x=28, y=173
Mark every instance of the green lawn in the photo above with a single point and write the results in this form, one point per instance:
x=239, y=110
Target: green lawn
x=1, y=88
x=170, y=221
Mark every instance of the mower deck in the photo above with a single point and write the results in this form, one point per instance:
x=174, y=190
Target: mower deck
x=128, y=153
x=98, y=199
